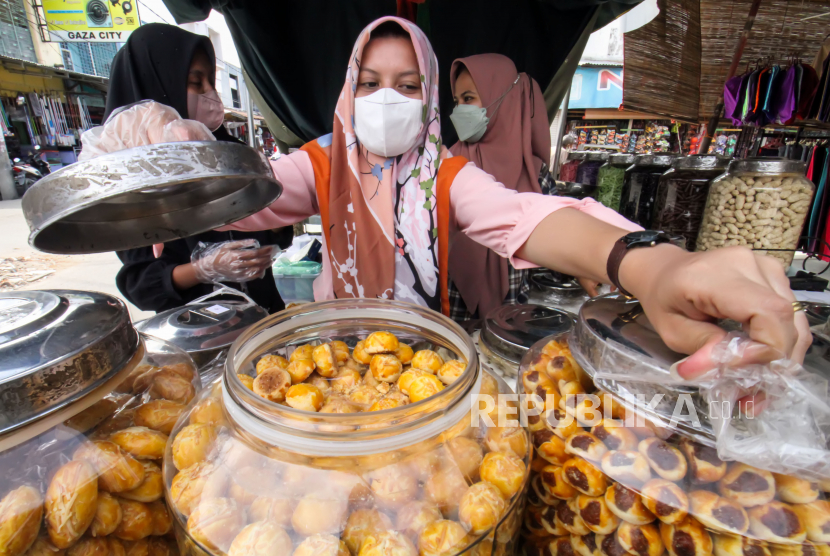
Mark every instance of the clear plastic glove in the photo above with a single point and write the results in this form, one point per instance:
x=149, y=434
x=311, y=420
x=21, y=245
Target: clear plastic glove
x=144, y=123
x=231, y=261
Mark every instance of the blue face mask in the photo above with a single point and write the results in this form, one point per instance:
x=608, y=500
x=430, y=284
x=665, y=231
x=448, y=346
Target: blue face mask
x=470, y=121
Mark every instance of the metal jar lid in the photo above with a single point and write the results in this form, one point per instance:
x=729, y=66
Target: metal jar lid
x=597, y=156
x=620, y=159
x=577, y=155
x=654, y=160
x=768, y=166
x=56, y=346
x=701, y=162
x=146, y=195
x=555, y=282
x=511, y=330
x=204, y=326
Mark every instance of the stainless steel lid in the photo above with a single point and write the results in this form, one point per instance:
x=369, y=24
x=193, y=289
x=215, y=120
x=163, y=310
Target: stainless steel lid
x=701, y=162
x=597, y=156
x=768, y=165
x=55, y=347
x=146, y=195
x=619, y=159
x=577, y=155
x=555, y=282
x=574, y=189
x=511, y=330
x=817, y=313
x=654, y=160
x=202, y=325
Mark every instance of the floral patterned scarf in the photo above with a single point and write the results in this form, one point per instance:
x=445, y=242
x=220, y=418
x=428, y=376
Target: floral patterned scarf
x=382, y=211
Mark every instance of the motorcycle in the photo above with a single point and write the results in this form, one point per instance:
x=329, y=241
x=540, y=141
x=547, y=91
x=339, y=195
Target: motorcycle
x=38, y=163
x=25, y=176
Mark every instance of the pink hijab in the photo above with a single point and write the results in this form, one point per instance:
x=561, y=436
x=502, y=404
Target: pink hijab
x=513, y=149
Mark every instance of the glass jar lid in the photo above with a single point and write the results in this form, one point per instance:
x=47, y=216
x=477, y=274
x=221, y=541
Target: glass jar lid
x=56, y=346
x=768, y=166
x=577, y=155
x=145, y=195
x=622, y=158
x=511, y=330
x=701, y=162
x=556, y=282
x=597, y=156
x=654, y=160
x=204, y=325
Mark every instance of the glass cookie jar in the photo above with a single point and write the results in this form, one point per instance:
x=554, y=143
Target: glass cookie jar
x=346, y=427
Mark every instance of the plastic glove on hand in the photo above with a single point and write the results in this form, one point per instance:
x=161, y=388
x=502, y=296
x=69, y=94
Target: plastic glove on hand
x=231, y=261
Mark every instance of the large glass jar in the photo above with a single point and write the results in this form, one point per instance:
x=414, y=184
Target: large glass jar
x=567, y=172
x=610, y=179
x=758, y=202
x=87, y=407
x=352, y=458
x=682, y=194
x=640, y=187
x=586, y=172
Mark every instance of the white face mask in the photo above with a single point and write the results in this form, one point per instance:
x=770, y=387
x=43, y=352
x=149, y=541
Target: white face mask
x=388, y=123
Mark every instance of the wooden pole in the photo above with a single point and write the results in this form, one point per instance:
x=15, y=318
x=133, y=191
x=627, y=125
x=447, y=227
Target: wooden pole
x=736, y=59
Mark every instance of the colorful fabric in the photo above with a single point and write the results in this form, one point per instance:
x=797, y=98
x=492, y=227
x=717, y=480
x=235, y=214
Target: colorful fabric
x=731, y=92
x=383, y=210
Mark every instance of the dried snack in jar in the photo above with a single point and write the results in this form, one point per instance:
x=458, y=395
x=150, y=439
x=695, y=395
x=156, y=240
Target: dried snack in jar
x=162, y=520
x=718, y=513
x=141, y=442
x=340, y=350
x=816, y=519
x=322, y=545
x=208, y=412
x=302, y=352
x=705, y=465
x=216, y=522
x=21, y=511
x=361, y=524
x=776, y=522
x=319, y=512
x=584, y=477
x=686, y=538
x=387, y=543
x=136, y=521
x=301, y=369
x=445, y=489
x=614, y=436
x=117, y=470
x=423, y=387
x=158, y=415
x=511, y=440
x=450, y=371
x=269, y=361
x=360, y=354
x=731, y=545
x=640, y=540
x=554, y=484
x=666, y=460
x=628, y=505
x=324, y=359
x=345, y=380
x=277, y=510
x=596, y=515
x=393, y=485
x=169, y=385
x=427, y=360
x=665, y=500
x=192, y=445
x=380, y=342
x=199, y=481
x=151, y=488
x=107, y=516
x=71, y=502
x=441, y=538
x=89, y=547
x=261, y=538
x=506, y=471
x=747, y=485
x=247, y=381
x=586, y=445
x=404, y=353
x=794, y=490
x=414, y=516
x=44, y=547
x=481, y=507
x=585, y=545
x=385, y=368
x=626, y=467
x=304, y=397
x=467, y=455
x=567, y=517
x=272, y=384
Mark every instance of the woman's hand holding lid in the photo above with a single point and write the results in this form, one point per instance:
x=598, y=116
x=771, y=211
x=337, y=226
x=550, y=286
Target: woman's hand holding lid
x=143, y=123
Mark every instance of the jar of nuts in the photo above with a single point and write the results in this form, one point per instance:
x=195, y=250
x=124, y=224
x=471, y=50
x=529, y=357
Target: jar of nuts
x=761, y=203
x=350, y=427
x=682, y=193
x=86, y=418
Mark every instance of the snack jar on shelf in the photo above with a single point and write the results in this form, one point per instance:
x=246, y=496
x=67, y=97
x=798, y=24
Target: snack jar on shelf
x=681, y=195
x=610, y=179
x=567, y=172
x=617, y=470
x=88, y=404
x=586, y=172
x=349, y=427
x=761, y=203
x=640, y=187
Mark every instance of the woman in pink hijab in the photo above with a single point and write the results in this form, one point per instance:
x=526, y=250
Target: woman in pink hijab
x=502, y=125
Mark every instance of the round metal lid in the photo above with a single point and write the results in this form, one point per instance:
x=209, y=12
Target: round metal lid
x=701, y=162
x=597, y=156
x=55, y=347
x=511, y=330
x=768, y=165
x=577, y=155
x=556, y=282
x=817, y=313
x=621, y=159
x=654, y=160
x=146, y=195
x=574, y=189
x=206, y=326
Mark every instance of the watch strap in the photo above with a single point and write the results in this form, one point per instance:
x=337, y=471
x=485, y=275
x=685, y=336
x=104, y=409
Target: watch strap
x=612, y=267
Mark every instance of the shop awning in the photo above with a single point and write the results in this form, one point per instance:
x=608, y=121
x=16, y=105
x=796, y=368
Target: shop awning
x=295, y=53
x=25, y=67
x=676, y=65
x=233, y=115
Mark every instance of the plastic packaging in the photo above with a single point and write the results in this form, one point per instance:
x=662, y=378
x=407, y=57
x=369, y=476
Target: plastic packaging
x=640, y=187
x=144, y=123
x=409, y=477
x=88, y=477
x=588, y=169
x=681, y=195
x=610, y=179
x=607, y=479
x=761, y=203
x=567, y=171
x=231, y=261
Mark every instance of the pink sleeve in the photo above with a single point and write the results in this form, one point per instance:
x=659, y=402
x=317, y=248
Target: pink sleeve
x=297, y=202
x=503, y=219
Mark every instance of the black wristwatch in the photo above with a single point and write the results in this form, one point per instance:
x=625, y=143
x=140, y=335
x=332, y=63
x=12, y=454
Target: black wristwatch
x=646, y=238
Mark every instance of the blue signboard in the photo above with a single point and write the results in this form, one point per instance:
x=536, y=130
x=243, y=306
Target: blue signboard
x=597, y=88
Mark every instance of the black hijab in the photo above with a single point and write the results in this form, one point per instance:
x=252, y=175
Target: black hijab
x=153, y=65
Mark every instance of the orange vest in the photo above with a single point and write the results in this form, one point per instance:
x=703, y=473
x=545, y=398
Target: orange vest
x=447, y=171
